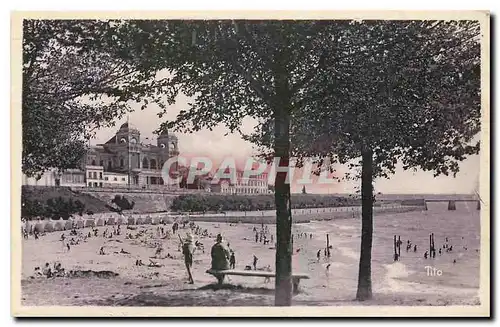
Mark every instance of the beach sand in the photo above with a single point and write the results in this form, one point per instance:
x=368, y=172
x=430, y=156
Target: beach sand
x=405, y=282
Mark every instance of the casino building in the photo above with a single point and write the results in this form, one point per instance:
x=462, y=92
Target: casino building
x=123, y=161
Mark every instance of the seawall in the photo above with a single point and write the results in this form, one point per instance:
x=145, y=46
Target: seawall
x=145, y=201
x=300, y=216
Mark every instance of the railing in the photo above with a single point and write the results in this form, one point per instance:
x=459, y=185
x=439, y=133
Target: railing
x=164, y=189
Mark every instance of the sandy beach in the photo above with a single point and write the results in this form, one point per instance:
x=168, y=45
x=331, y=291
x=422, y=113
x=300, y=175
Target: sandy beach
x=405, y=282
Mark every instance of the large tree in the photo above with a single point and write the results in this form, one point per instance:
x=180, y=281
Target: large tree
x=234, y=69
x=408, y=92
x=78, y=76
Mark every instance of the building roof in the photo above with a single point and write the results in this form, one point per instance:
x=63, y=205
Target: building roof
x=111, y=140
x=126, y=125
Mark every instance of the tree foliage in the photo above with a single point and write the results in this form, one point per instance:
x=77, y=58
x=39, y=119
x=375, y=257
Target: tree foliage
x=407, y=92
x=410, y=91
x=54, y=208
x=217, y=203
x=78, y=76
x=121, y=203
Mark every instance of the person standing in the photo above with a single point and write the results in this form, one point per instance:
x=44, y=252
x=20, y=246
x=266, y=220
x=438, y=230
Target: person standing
x=220, y=257
x=187, y=251
x=255, y=259
x=232, y=261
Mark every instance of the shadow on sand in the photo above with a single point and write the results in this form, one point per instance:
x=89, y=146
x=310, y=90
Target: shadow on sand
x=237, y=288
x=208, y=295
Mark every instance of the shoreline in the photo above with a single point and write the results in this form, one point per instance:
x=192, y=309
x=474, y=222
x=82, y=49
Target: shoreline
x=269, y=218
x=299, y=218
x=401, y=283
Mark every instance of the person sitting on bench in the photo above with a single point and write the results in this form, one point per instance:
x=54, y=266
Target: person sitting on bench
x=268, y=279
x=220, y=255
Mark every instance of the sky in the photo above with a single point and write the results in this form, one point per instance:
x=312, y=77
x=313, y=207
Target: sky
x=216, y=145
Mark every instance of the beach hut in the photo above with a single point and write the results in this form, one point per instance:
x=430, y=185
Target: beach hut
x=110, y=220
x=121, y=220
x=147, y=220
x=79, y=223
x=49, y=227
x=131, y=220
x=99, y=221
x=68, y=224
x=155, y=220
x=167, y=220
x=39, y=226
x=89, y=223
x=140, y=221
x=58, y=225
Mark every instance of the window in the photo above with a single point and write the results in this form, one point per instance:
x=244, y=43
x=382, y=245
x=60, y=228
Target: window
x=93, y=162
x=100, y=184
x=101, y=163
x=90, y=174
x=121, y=162
x=94, y=174
x=115, y=179
x=153, y=164
x=123, y=179
x=145, y=163
x=95, y=184
x=109, y=165
x=105, y=178
x=90, y=184
x=100, y=175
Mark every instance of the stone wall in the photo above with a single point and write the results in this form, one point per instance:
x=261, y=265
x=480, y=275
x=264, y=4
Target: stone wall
x=145, y=202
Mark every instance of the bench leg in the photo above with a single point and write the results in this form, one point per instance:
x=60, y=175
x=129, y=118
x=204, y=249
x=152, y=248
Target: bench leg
x=220, y=279
x=295, y=282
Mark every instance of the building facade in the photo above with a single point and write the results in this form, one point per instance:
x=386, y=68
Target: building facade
x=244, y=185
x=70, y=178
x=123, y=161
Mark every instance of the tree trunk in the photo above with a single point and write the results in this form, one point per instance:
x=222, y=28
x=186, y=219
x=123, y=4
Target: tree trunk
x=364, y=277
x=283, y=295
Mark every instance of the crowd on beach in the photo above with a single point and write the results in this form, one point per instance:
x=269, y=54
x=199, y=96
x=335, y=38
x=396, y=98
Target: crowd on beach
x=223, y=256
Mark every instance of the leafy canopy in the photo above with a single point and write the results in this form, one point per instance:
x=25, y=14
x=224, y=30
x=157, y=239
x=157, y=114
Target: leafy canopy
x=407, y=90
x=78, y=76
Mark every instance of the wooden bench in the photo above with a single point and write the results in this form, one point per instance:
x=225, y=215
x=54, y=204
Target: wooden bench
x=220, y=274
